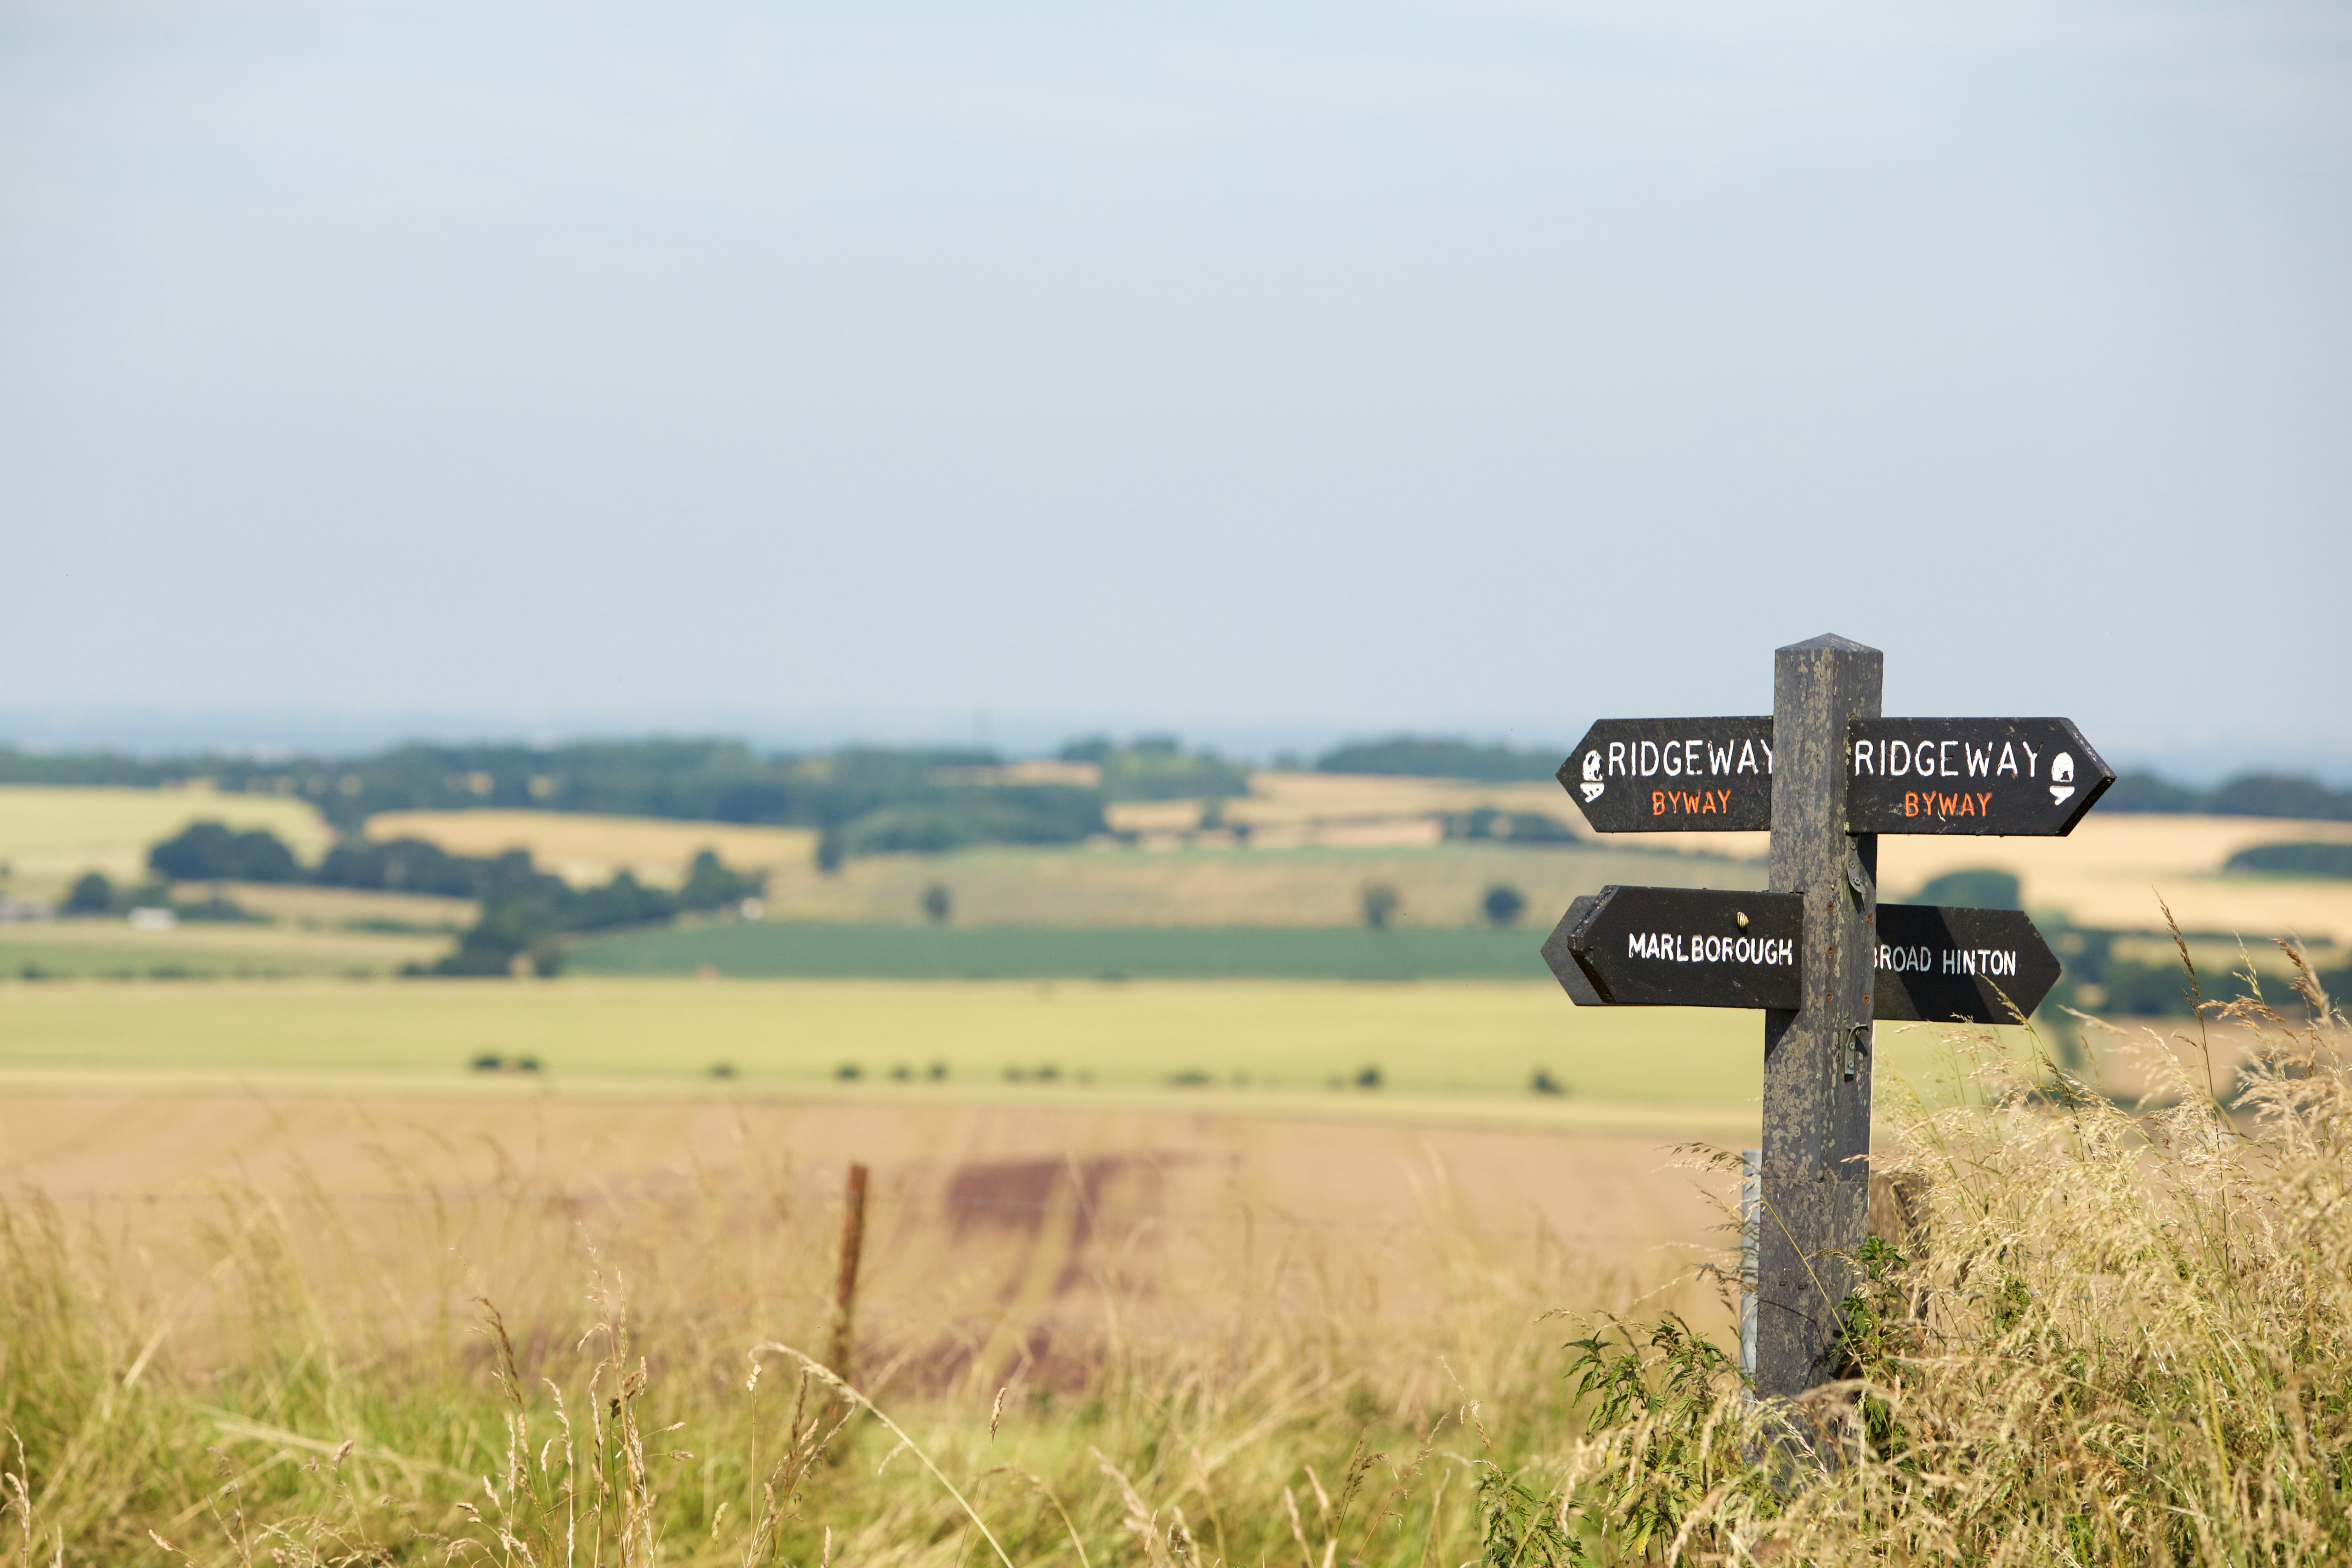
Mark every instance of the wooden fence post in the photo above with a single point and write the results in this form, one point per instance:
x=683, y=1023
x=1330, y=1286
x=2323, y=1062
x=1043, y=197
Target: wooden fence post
x=1816, y=1192
x=844, y=1292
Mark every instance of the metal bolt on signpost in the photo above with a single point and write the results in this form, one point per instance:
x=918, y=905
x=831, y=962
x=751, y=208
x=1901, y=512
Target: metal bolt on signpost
x=1816, y=952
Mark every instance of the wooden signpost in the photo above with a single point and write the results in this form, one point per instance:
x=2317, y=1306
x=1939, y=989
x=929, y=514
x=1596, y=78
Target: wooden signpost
x=1817, y=952
x=1693, y=947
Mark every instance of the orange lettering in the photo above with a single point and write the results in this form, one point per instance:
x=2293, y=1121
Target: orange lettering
x=1657, y=803
x=1968, y=806
x=1985, y=797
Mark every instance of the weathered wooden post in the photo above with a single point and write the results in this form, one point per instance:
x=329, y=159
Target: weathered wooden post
x=1816, y=952
x=1816, y=1186
x=845, y=1289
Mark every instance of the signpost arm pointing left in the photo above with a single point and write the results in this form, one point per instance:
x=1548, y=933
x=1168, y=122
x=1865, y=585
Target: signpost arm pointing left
x=1816, y=1176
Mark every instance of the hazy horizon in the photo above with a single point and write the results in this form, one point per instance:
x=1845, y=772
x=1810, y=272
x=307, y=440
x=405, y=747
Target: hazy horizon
x=267, y=732
x=1470, y=368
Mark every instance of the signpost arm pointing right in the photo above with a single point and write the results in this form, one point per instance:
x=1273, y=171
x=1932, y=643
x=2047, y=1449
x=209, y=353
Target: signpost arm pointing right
x=1817, y=1059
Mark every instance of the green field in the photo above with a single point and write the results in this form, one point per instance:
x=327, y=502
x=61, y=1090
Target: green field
x=112, y=950
x=1311, y=885
x=1467, y=1044
x=780, y=949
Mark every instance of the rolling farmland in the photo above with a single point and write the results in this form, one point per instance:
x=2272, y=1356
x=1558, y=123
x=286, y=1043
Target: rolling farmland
x=583, y=849
x=49, y=835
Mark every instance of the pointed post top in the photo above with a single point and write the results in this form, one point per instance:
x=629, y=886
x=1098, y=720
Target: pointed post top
x=1828, y=642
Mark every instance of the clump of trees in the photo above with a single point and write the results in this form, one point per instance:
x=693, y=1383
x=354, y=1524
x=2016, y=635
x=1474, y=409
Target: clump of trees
x=1977, y=888
x=2294, y=860
x=2250, y=795
x=525, y=912
x=96, y=893
x=214, y=852
x=1158, y=767
x=1440, y=757
x=92, y=894
x=1518, y=826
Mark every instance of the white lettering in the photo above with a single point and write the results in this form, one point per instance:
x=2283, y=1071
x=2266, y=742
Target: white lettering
x=1674, y=761
x=1718, y=761
x=1677, y=947
x=1944, y=756
x=1690, y=759
x=2008, y=759
x=1747, y=757
x=2031, y=761
x=1616, y=757
x=1649, y=753
x=1979, y=762
x=1898, y=759
x=1767, y=755
x=1862, y=757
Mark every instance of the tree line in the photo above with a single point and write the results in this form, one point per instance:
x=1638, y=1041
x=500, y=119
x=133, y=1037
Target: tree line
x=862, y=800
x=525, y=912
x=873, y=799
x=2294, y=797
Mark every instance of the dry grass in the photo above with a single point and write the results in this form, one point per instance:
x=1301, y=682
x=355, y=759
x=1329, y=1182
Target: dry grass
x=1064, y=1358
x=2119, y=1338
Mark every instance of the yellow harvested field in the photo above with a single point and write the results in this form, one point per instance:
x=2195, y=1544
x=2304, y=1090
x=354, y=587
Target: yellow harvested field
x=583, y=849
x=2111, y=869
x=1284, y=810
x=1279, y=798
x=49, y=836
x=1005, y=1216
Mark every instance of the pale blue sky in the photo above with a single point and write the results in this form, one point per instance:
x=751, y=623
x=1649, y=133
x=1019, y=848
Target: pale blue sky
x=1479, y=367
